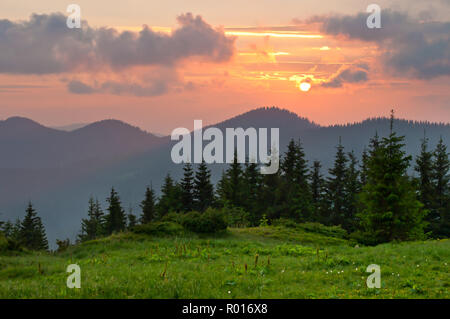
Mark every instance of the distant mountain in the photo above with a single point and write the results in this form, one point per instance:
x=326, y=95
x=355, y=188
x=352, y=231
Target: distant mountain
x=59, y=170
x=27, y=144
x=70, y=127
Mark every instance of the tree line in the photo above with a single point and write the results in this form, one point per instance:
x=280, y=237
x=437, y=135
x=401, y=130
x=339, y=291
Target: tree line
x=373, y=198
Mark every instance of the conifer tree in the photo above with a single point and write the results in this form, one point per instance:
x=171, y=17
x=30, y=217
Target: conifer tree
x=7, y=228
x=251, y=190
x=317, y=191
x=439, y=218
x=364, y=162
x=336, y=192
x=235, y=182
x=187, y=188
x=352, y=189
x=32, y=233
x=131, y=218
x=391, y=210
x=148, y=206
x=203, y=189
x=116, y=220
x=170, y=197
x=93, y=226
x=424, y=166
x=300, y=201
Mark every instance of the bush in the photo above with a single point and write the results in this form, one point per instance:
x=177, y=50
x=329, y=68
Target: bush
x=330, y=231
x=159, y=228
x=172, y=217
x=289, y=223
x=236, y=216
x=211, y=221
x=63, y=244
x=3, y=242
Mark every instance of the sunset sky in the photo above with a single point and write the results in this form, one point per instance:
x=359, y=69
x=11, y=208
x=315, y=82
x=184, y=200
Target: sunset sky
x=161, y=64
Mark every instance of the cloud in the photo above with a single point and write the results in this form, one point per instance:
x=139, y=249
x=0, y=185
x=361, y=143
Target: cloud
x=78, y=87
x=408, y=46
x=351, y=74
x=157, y=81
x=44, y=45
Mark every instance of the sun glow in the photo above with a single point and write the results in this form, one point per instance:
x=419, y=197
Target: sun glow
x=305, y=86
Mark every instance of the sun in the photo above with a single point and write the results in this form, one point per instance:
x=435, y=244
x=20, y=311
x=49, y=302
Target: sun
x=305, y=86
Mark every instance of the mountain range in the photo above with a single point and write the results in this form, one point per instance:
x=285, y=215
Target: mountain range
x=58, y=169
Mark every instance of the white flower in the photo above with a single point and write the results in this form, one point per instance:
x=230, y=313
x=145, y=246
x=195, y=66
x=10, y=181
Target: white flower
x=229, y=292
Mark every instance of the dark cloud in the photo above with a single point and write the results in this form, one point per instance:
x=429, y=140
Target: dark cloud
x=78, y=87
x=408, y=46
x=352, y=74
x=120, y=88
x=44, y=44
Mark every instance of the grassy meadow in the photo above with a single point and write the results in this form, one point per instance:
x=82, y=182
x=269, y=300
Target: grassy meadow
x=260, y=262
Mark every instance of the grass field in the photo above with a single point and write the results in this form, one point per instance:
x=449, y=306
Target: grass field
x=261, y=262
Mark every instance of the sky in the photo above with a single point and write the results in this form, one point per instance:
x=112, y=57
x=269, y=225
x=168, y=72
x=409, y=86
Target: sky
x=161, y=64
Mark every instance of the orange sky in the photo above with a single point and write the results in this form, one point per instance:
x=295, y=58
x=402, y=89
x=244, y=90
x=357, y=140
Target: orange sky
x=270, y=60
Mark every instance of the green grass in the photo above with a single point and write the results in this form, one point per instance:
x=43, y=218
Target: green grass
x=292, y=263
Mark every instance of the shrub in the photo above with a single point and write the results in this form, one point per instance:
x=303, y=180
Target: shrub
x=172, y=217
x=211, y=221
x=159, y=228
x=63, y=244
x=3, y=242
x=289, y=223
x=236, y=216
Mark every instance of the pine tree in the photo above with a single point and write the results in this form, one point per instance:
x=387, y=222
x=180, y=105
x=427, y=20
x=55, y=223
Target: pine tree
x=187, y=188
x=148, y=206
x=439, y=218
x=364, y=162
x=272, y=201
x=288, y=165
x=203, y=189
x=93, y=226
x=317, y=192
x=115, y=219
x=7, y=229
x=170, y=197
x=32, y=233
x=424, y=166
x=391, y=210
x=132, y=221
x=336, y=193
x=352, y=189
x=300, y=201
x=235, y=183
x=251, y=191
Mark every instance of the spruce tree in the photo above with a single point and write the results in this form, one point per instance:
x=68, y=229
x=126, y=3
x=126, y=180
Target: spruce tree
x=317, y=192
x=336, y=191
x=424, y=166
x=390, y=209
x=170, y=197
x=148, y=206
x=93, y=226
x=7, y=228
x=300, y=196
x=364, y=162
x=439, y=218
x=203, y=189
x=32, y=233
x=251, y=191
x=187, y=188
x=352, y=189
x=116, y=220
x=235, y=182
x=131, y=218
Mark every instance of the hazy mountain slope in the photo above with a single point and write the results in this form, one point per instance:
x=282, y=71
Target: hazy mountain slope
x=111, y=153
